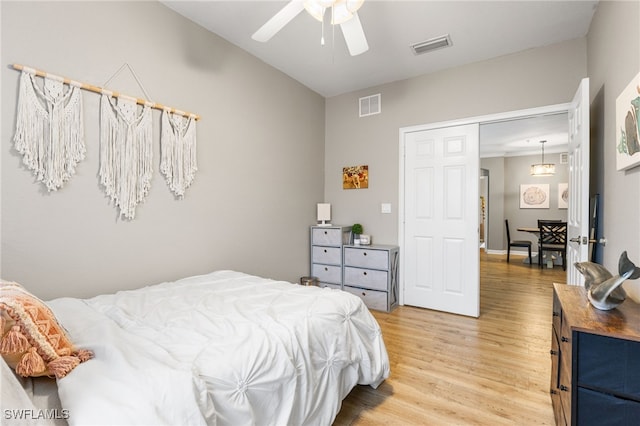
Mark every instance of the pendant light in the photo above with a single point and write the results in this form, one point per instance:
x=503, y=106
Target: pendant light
x=543, y=169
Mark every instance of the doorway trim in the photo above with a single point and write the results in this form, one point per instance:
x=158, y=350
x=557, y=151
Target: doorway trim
x=482, y=119
x=484, y=173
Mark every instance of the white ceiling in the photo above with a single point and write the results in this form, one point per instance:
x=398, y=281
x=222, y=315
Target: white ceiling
x=479, y=30
x=522, y=136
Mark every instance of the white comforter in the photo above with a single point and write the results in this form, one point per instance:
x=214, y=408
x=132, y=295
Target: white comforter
x=224, y=348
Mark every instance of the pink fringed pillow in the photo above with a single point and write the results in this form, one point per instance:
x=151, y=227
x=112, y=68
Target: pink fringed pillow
x=33, y=342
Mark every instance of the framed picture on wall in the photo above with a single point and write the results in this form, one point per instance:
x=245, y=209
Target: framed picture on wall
x=563, y=195
x=628, y=126
x=534, y=196
x=355, y=177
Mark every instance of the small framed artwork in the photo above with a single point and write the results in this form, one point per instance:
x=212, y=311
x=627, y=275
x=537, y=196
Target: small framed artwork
x=563, y=195
x=534, y=196
x=628, y=126
x=355, y=177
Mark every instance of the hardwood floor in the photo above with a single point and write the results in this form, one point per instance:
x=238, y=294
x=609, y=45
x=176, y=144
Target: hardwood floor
x=448, y=369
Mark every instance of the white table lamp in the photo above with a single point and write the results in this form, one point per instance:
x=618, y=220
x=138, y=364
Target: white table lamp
x=324, y=214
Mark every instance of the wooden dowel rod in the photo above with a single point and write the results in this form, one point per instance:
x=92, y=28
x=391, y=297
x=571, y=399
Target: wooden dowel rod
x=101, y=90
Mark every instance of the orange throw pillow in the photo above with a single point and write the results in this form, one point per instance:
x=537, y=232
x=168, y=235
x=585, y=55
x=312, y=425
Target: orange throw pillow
x=33, y=342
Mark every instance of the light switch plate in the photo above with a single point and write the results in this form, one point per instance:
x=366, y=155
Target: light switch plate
x=385, y=208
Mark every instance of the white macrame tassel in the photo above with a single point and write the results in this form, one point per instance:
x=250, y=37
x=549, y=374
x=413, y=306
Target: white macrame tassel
x=126, y=153
x=49, y=130
x=178, y=161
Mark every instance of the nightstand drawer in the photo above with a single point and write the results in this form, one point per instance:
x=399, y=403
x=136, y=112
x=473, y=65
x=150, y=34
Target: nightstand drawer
x=608, y=363
x=328, y=255
x=330, y=285
x=326, y=237
x=327, y=273
x=373, y=299
x=367, y=278
x=595, y=408
x=366, y=258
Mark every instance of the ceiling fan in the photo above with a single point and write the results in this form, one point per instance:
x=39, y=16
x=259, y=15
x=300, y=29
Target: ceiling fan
x=343, y=13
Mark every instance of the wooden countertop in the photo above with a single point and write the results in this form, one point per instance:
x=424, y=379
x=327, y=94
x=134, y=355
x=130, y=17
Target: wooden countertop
x=622, y=322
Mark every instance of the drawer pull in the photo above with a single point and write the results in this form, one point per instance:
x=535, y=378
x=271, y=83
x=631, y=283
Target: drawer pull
x=556, y=314
x=325, y=250
x=364, y=273
x=564, y=339
x=364, y=253
x=552, y=352
x=325, y=232
x=564, y=388
x=553, y=392
x=364, y=294
x=326, y=269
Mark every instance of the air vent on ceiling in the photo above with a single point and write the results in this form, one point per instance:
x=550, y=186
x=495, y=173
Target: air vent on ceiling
x=564, y=158
x=431, y=44
x=370, y=105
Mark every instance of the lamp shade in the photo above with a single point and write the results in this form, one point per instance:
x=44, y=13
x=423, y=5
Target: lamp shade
x=324, y=213
x=340, y=13
x=543, y=169
x=315, y=9
x=342, y=10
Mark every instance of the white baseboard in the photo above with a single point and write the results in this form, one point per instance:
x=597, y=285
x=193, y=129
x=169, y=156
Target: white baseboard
x=490, y=251
x=513, y=252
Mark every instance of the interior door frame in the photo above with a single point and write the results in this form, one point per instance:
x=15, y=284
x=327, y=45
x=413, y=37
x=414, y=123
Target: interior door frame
x=483, y=119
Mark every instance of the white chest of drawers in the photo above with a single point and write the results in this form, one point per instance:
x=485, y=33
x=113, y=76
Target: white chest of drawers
x=326, y=254
x=371, y=273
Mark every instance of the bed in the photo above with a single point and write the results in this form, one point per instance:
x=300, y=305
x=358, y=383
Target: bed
x=225, y=348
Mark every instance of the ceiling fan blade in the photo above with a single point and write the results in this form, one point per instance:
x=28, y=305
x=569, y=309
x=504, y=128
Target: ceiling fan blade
x=278, y=21
x=354, y=36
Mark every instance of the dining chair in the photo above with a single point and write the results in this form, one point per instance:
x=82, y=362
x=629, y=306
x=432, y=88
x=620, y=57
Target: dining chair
x=516, y=243
x=553, y=237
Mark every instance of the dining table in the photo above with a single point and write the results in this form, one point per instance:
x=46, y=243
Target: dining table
x=530, y=230
x=557, y=260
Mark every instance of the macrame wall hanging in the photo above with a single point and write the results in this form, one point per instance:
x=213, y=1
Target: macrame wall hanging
x=50, y=135
x=126, y=153
x=49, y=129
x=126, y=149
x=178, y=151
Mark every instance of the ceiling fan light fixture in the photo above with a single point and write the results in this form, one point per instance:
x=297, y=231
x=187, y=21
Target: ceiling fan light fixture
x=315, y=9
x=350, y=24
x=542, y=168
x=431, y=44
x=354, y=5
x=340, y=13
x=342, y=10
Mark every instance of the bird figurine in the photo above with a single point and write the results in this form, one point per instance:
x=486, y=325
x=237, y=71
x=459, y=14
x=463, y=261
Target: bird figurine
x=603, y=289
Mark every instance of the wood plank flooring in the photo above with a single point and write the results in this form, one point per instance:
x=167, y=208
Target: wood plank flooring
x=449, y=369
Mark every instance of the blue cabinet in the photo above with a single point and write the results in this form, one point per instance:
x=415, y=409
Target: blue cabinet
x=595, y=361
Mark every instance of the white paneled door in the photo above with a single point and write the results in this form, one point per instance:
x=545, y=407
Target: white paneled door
x=440, y=233
x=578, y=213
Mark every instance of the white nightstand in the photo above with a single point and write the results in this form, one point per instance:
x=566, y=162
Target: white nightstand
x=371, y=273
x=326, y=254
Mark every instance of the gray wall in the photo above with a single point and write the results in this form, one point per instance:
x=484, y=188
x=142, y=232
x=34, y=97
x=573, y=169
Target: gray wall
x=533, y=78
x=260, y=155
x=515, y=171
x=613, y=61
x=609, y=56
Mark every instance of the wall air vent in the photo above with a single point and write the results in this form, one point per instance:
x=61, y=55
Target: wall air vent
x=431, y=44
x=564, y=158
x=370, y=105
